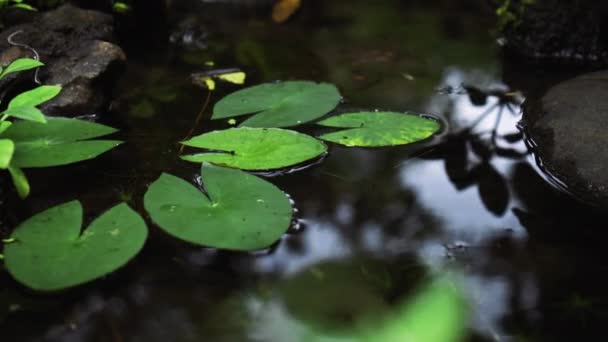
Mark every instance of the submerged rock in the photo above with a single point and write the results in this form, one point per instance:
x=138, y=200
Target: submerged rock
x=568, y=128
x=76, y=47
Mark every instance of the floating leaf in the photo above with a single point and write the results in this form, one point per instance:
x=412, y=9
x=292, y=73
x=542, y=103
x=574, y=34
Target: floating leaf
x=7, y=147
x=240, y=211
x=280, y=104
x=51, y=253
x=255, y=148
x=58, y=142
x=376, y=129
x=21, y=64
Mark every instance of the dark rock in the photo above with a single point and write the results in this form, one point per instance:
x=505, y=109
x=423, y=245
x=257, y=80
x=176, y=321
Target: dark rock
x=568, y=127
x=76, y=47
x=563, y=32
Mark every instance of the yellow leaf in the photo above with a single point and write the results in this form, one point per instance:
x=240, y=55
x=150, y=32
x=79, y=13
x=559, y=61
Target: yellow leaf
x=233, y=77
x=284, y=9
x=209, y=83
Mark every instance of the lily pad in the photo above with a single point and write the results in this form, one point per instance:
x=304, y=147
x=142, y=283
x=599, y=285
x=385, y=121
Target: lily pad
x=377, y=129
x=239, y=211
x=281, y=104
x=50, y=252
x=60, y=141
x=255, y=148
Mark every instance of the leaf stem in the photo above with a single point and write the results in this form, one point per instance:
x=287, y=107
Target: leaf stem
x=198, y=119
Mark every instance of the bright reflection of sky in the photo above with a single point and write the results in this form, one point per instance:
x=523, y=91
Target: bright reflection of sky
x=464, y=221
x=321, y=240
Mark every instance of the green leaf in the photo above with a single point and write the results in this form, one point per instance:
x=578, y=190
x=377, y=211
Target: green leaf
x=280, y=104
x=376, y=129
x=437, y=314
x=7, y=147
x=25, y=7
x=20, y=181
x=4, y=125
x=34, y=97
x=51, y=253
x=58, y=142
x=240, y=212
x=26, y=113
x=255, y=148
x=21, y=64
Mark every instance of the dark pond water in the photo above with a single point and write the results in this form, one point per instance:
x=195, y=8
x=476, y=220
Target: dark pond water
x=373, y=223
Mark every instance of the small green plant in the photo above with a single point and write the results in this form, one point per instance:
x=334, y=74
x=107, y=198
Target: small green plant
x=510, y=13
x=37, y=141
x=16, y=4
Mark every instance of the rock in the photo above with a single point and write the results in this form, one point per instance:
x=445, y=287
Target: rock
x=564, y=32
x=568, y=126
x=76, y=47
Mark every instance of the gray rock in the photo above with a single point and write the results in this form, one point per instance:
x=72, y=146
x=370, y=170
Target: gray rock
x=76, y=47
x=569, y=127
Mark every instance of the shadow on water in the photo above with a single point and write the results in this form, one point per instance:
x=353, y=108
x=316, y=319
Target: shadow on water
x=373, y=223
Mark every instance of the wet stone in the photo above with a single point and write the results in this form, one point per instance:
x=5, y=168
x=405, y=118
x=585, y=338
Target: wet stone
x=77, y=48
x=569, y=126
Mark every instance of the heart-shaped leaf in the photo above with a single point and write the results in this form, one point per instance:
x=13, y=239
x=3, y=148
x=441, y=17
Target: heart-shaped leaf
x=281, y=104
x=7, y=147
x=255, y=148
x=239, y=211
x=376, y=129
x=50, y=252
x=58, y=142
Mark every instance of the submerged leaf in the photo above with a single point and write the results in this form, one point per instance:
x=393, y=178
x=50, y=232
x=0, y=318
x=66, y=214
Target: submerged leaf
x=240, y=211
x=51, y=253
x=376, y=129
x=58, y=142
x=280, y=104
x=255, y=148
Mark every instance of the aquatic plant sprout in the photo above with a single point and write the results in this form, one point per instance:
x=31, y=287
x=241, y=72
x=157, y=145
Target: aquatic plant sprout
x=38, y=141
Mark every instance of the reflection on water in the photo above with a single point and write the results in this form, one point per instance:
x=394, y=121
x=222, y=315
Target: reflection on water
x=375, y=223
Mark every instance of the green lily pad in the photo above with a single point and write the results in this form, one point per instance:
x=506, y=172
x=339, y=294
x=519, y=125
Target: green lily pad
x=238, y=212
x=50, y=252
x=60, y=141
x=281, y=104
x=255, y=148
x=377, y=129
